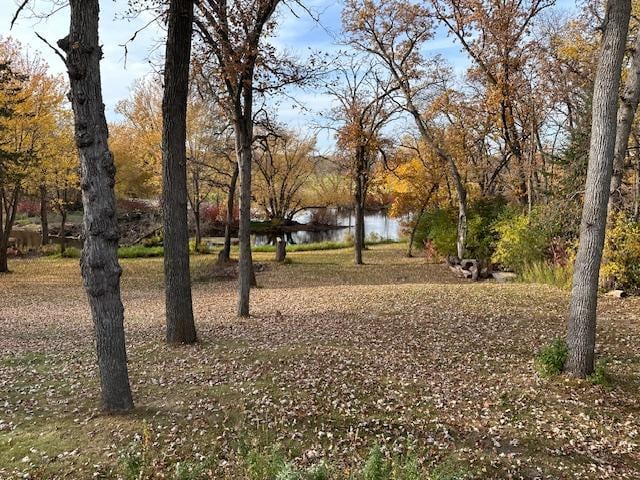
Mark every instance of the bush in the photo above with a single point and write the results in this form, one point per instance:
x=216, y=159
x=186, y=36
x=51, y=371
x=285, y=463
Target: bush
x=30, y=208
x=439, y=229
x=621, y=256
x=376, y=467
x=600, y=375
x=519, y=243
x=551, y=359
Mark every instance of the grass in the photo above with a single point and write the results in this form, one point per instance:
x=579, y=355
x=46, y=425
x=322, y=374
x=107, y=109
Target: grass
x=547, y=274
x=335, y=360
x=320, y=246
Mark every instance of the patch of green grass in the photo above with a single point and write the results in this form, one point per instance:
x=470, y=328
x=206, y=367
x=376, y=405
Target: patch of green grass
x=600, y=375
x=140, y=251
x=551, y=359
x=328, y=245
x=547, y=274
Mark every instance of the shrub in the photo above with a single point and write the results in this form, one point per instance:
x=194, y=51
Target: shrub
x=621, y=256
x=551, y=359
x=519, y=244
x=600, y=375
x=30, y=208
x=376, y=466
x=439, y=228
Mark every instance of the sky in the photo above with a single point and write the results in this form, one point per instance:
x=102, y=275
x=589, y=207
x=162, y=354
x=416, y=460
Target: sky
x=297, y=34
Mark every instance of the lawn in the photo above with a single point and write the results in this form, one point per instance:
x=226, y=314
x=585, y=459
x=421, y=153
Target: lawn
x=336, y=360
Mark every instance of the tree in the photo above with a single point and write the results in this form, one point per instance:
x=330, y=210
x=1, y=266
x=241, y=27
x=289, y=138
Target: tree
x=233, y=33
x=364, y=107
x=626, y=114
x=11, y=161
x=284, y=162
x=99, y=263
x=581, y=329
x=179, y=306
x=393, y=32
x=30, y=101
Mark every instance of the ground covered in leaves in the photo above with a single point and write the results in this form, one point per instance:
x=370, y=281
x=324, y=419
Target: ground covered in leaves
x=335, y=360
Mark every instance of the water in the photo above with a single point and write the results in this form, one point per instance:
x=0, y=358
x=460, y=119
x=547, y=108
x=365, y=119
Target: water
x=376, y=224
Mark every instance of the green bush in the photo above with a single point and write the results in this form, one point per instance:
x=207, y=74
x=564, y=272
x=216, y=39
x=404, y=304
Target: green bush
x=621, y=257
x=551, y=359
x=440, y=228
x=519, y=243
x=376, y=466
x=600, y=375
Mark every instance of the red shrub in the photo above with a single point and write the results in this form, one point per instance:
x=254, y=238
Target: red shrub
x=29, y=207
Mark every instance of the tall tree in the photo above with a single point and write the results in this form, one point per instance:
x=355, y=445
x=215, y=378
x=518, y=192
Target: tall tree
x=99, y=263
x=233, y=33
x=626, y=114
x=363, y=108
x=394, y=31
x=179, y=308
x=581, y=329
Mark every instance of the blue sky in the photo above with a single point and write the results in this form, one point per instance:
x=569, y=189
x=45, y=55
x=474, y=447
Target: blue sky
x=297, y=34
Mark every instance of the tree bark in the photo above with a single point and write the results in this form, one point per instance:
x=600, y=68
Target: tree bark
x=99, y=263
x=636, y=190
x=225, y=254
x=196, y=221
x=179, y=308
x=9, y=208
x=581, y=329
x=246, y=274
x=626, y=114
x=44, y=216
x=63, y=235
x=359, y=214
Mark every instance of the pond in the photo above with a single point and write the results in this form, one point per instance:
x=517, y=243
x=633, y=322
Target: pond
x=376, y=224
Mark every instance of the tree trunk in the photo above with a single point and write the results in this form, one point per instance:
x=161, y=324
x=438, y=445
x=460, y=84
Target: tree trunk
x=359, y=214
x=461, y=238
x=581, y=329
x=196, y=221
x=179, y=308
x=626, y=114
x=4, y=260
x=63, y=234
x=281, y=249
x=412, y=236
x=246, y=274
x=636, y=190
x=225, y=254
x=10, y=210
x=99, y=263
x=44, y=216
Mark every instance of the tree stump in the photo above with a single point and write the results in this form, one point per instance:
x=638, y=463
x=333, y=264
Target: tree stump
x=281, y=249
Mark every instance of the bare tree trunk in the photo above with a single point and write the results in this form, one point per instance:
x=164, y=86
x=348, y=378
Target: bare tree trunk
x=196, y=221
x=99, y=263
x=44, y=215
x=8, y=207
x=179, y=308
x=359, y=214
x=626, y=114
x=225, y=254
x=581, y=331
x=461, y=238
x=246, y=274
x=636, y=193
x=412, y=236
x=63, y=231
